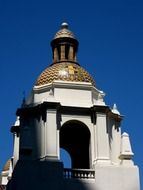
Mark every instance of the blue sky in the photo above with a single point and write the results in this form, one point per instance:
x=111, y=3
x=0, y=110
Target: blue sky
x=110, y=34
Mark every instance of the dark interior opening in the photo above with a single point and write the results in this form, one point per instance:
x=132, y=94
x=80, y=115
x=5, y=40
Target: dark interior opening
x=75, y=139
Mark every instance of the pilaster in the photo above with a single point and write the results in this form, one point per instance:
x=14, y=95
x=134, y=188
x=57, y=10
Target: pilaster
x=51, y=135
x=114, y=139
x=102, y=155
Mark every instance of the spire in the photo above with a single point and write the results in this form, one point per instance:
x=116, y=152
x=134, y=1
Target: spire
x=64, y=45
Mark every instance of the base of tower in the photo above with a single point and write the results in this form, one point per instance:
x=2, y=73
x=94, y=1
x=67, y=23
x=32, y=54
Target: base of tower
x=36, y=175
x=49, y=175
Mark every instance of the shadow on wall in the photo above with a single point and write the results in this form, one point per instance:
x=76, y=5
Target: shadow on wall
x=46, y=175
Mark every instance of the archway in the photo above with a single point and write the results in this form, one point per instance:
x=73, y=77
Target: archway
x=75, y=139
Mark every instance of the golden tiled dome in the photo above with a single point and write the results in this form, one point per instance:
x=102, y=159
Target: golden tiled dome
x=64, y=71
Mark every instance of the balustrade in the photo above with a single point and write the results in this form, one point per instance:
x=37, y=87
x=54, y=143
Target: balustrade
x=79, y=173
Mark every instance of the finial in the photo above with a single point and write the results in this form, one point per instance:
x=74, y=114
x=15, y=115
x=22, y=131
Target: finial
x=126, y=150
x=115, y=110
x=51, y=92
x=64, y=25
x=115, y=107
x=17, y=122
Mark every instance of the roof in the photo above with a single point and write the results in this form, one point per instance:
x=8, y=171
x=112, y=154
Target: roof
x=65, y=72
x=64, y=32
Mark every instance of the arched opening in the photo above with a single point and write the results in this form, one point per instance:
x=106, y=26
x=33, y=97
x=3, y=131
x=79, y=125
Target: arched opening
x=75, y=139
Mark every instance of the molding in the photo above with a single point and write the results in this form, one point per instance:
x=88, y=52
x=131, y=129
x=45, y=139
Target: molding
x=64, y=84
x=115, y=116
x=37, y=110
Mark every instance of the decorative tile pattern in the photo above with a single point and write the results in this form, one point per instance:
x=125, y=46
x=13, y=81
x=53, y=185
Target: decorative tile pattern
x=64, y=71
x=64, y=32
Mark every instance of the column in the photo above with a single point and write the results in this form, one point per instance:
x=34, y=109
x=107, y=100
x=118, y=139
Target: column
x=55, y=56
x=62, y=52
x=71, y=53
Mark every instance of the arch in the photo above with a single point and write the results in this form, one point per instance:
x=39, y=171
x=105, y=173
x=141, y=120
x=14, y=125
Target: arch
x=75, y=139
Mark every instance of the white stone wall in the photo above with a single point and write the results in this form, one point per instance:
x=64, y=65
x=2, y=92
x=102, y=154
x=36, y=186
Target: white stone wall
x=110, y=153
x=79, y=94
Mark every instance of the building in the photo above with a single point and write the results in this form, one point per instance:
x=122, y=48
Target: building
x=66, y=110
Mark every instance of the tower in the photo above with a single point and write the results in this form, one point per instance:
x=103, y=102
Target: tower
x=66, y=110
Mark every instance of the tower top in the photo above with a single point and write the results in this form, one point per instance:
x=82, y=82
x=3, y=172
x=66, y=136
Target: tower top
x=64, y=32
x=64, y=66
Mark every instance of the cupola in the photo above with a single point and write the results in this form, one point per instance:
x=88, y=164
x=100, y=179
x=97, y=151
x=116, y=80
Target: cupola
x=64, y=45
x=64, y=66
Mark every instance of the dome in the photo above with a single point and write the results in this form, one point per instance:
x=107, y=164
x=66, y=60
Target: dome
x=64, y=71
x=64, y=32
x=64, y=66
